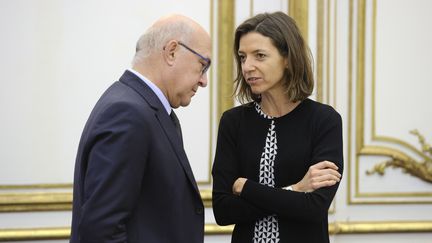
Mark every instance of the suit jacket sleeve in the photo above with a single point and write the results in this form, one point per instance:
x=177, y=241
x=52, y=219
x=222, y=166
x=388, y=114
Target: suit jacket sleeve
x=117, y=149
x=326, y=145
x=227, y=207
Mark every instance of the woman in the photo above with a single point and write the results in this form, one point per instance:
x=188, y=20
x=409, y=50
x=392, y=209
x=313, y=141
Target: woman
x=272, y=175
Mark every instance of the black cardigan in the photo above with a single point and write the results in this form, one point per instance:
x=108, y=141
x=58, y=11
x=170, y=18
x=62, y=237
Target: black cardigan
x=311, y=133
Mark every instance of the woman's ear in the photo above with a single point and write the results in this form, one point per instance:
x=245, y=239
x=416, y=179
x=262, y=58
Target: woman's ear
x=169, y=51
x=286, y=63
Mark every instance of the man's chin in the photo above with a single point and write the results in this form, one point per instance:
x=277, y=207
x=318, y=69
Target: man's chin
x=185, y=102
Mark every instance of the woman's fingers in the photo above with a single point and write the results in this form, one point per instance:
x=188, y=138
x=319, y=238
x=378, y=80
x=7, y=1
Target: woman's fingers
x=326, y=177
x=321, y=174
x=325, y=164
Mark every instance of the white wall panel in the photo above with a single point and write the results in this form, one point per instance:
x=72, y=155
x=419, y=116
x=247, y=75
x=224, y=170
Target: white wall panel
x=58, y=58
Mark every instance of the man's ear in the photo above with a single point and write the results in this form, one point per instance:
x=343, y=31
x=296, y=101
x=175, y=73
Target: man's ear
x=170, y=51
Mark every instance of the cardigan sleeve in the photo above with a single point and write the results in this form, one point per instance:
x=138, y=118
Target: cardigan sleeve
x=227, y=207
x=326, y=145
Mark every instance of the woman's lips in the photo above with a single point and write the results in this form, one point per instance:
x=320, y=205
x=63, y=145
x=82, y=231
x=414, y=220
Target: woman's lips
x=253, y=80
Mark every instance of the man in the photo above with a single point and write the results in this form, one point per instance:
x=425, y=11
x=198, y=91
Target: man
x=133, y=181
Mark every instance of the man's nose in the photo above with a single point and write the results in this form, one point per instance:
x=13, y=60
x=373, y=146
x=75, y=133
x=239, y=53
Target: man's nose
x=203, y=80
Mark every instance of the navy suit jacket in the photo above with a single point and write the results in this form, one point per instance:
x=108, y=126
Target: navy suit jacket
x=133, y=181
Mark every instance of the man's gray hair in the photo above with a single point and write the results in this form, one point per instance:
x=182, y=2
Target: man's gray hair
x=156, y=37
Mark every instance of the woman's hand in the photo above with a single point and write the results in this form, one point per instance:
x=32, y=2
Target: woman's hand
x=319, y=175
x=238, y=185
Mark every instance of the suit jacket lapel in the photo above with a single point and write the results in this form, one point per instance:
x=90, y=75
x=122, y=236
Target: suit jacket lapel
x=139, y=86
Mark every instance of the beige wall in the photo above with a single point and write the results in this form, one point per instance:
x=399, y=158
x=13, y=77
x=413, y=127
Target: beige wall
x=371, y=64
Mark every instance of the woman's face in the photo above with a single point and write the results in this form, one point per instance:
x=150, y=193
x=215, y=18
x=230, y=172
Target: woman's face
x=262, y=65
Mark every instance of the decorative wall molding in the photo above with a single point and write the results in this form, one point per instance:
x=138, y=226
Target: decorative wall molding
x=55, y=201
x=335, y=228
x=419, y=169
x=225, y=68
x=362, y=24
x=299, y=10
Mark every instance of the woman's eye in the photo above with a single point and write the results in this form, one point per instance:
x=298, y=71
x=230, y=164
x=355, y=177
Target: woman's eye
x=242, y=58
x=260, y=55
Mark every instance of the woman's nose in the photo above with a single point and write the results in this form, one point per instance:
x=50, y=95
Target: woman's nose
x=248, y=65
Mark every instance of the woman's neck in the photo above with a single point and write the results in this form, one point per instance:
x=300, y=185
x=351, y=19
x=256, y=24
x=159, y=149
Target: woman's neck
x=277, y=105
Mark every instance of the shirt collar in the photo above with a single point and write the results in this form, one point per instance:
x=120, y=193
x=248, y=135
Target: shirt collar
x=155, y=89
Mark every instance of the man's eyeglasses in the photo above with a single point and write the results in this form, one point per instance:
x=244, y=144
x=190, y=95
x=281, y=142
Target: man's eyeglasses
x=207, y=60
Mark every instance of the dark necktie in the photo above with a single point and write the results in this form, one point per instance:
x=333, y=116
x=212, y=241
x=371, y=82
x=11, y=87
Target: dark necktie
x=177, y=125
